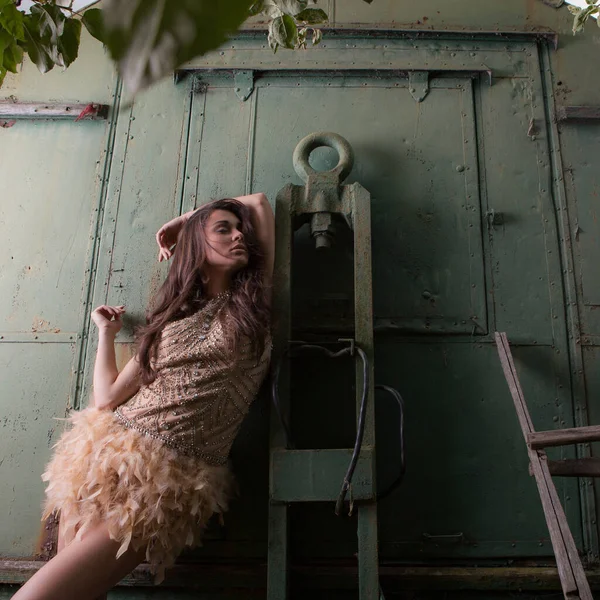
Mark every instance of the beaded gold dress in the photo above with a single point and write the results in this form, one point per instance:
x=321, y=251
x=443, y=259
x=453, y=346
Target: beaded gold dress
x=155, y=470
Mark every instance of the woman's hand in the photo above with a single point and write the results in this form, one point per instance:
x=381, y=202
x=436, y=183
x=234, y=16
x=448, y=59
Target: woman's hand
x=108, y=318
x=166, y=237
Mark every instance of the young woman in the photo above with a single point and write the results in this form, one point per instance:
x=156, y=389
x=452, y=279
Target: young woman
x=140, y=473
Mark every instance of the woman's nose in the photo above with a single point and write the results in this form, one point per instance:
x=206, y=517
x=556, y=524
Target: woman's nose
x=237, y=235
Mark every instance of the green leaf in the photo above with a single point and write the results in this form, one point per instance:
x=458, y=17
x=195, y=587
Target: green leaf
x=11, y=54
x=2, y=75
x=40, y=51
x=312, y=16
x=290, y=7
x=284, y=32
x=271, y=10
x=574, y=10
x=68, y=43
x=5, y=39
x=257, y=8
x=49, y=22
x=11, y=19
x=582, y=16
x=302, y=33
x=150, y=38
x=317, y=36
x=12, y=57
x=94, y=23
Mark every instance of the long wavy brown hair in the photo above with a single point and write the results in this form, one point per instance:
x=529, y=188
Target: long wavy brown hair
x=184, y=290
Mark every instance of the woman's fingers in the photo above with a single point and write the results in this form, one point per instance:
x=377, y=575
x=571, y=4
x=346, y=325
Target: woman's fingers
x=161, y=237
x=110, y=311
x=164, y=254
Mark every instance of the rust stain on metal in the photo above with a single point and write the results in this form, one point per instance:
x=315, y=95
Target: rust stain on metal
x=40, y=325
x=48, y=539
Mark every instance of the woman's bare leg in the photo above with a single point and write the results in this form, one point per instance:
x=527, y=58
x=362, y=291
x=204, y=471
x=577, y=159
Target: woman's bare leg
x=64, y=540
x=84, y=569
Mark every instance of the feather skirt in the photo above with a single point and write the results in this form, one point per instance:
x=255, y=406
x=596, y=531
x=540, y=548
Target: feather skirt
x=149, y=495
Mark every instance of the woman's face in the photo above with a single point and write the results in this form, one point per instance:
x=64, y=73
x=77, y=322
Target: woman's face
x=225, y=246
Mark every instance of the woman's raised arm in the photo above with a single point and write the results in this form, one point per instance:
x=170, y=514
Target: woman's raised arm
x=112, y=388
x=263, y=221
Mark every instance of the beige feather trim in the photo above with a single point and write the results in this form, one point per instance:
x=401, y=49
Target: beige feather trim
x=149, y=495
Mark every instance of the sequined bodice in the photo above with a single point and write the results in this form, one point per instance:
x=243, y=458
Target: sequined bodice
x=203, y=389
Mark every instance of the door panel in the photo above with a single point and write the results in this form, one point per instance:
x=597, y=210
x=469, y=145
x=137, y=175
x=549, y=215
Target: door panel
x=422, y=173
x=51, y=182
x=42, y=280
x=583, y=180
x=33, y=397
x=464, y=242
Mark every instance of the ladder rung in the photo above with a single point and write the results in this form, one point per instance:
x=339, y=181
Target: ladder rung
x=317, y=475
x=575, y=467
x=562, y=437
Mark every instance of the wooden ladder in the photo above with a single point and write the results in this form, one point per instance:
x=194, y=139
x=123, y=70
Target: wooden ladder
x=573, y=580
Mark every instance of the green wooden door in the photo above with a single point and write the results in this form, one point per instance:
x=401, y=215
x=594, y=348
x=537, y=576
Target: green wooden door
x=465, y=243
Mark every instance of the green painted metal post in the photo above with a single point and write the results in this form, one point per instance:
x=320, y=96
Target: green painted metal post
x=368, y=555
x=306, y=475
x=277, y=570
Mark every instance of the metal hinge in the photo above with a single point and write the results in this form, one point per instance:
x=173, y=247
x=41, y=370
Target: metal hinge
x=418, y=84
x=243, y=83
x=494, y=219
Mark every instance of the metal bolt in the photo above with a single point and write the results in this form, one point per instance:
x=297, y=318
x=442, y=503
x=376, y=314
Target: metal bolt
x=460, y=168
x=322, y=240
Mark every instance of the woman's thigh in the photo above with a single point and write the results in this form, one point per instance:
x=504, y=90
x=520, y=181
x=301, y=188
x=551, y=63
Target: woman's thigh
x=84, y=569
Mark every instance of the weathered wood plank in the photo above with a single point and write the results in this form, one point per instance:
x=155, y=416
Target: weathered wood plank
x=575, y=467
x=537, y=440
